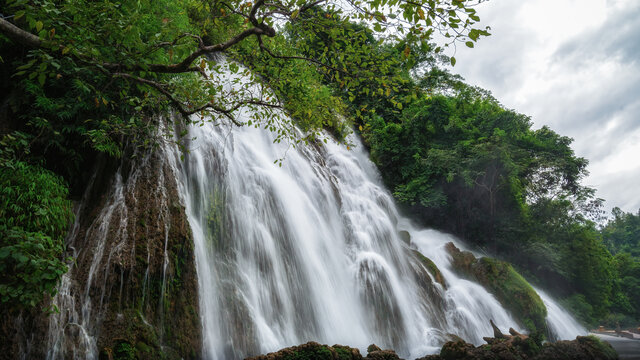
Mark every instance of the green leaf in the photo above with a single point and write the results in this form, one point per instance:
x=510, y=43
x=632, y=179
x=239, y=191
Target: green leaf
x=469, y=44
x=39, y=26
x=453, y=61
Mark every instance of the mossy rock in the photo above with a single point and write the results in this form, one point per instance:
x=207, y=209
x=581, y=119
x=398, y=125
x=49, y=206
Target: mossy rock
x=312, y=351
x=522, y=348
x=431, y=267
x=405, y=236
x=582, y=348
x=509, y=287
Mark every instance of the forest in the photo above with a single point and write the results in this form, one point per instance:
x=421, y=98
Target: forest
x=86, y=81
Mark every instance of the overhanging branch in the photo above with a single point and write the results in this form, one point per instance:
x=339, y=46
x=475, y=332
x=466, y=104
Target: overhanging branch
x=18, y=35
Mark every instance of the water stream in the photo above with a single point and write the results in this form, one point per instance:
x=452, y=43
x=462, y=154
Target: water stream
x=310, y=250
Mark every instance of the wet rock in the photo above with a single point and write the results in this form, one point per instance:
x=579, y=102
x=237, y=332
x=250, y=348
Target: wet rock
x=507, y=347
x=509, y=287
x=375, y=353
x=312, y=350
x=582, y=348
x=431, y=267
x=405, y=236
x=521, y=347
x=382, y=355
x=134, y=256
x=496, y=332
x=315, y=351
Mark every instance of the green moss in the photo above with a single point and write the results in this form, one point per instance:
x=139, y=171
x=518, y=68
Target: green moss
x=311, y=353
x=142, y=349
x=605, y=349
x=343, y=353
x=124, y=351
x=431, y=267
x=509, y=287
x=514, y=292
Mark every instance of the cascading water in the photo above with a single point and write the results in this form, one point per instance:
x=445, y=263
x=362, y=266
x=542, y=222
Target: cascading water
x=121, y=275
x=561, y=325
x=284, y=255
x=311, y=251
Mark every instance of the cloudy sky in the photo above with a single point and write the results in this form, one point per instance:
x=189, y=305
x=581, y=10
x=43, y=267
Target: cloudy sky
x=573, y=65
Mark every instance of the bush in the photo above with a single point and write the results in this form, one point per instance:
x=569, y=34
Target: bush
x=34, y=217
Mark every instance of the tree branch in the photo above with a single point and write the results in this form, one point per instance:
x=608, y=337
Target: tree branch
x=285, y=57
x=18, y=35
x=228, y=113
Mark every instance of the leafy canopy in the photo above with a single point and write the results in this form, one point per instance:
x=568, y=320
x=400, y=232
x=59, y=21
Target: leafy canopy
x=115, y=54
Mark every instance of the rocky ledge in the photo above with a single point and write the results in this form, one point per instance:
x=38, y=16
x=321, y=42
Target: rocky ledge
x=520, y=347
x=514, y=346
x=313, y=350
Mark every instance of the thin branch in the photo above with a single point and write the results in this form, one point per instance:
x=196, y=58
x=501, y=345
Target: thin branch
x=18, y=35
x=227, y=112
x=285, y=57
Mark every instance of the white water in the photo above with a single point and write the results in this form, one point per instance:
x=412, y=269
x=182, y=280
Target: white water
x=82, y=299
x=562, y=326
x=285, y=255
x=310, y=251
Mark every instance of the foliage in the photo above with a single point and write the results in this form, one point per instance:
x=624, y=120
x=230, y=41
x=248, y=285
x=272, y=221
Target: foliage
x=87, y=79
x=34, y=216
x=84, y=78
x=124, y=351
x=459, y=161
x=115, y=54
x=622, y=233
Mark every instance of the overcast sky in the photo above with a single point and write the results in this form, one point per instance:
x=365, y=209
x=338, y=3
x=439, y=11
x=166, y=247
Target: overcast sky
x=573, y=65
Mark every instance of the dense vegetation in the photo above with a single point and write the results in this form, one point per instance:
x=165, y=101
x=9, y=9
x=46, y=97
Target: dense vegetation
x=91, y=79
x=82, y=80
x=622, y=237
x=459, y=161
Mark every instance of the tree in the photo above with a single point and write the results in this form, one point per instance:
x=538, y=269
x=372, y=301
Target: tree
x=86, y=77
x=154, y=47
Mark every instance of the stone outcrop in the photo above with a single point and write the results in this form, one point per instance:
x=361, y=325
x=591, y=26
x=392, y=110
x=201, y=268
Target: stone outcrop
x=509, y=287
x=520, y=347
x=512, y=346
x=316, y=351
x=431, y=267
x=132, y=287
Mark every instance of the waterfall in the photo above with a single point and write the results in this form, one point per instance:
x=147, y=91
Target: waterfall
x=312, y=249
x=562, y=326
x=126, y=228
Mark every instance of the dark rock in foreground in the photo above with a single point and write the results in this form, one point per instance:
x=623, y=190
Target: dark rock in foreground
x=520, y=347
x=506, y=347
x=313, y=350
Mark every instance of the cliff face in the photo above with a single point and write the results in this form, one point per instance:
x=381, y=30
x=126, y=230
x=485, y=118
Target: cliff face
x=132, y=289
